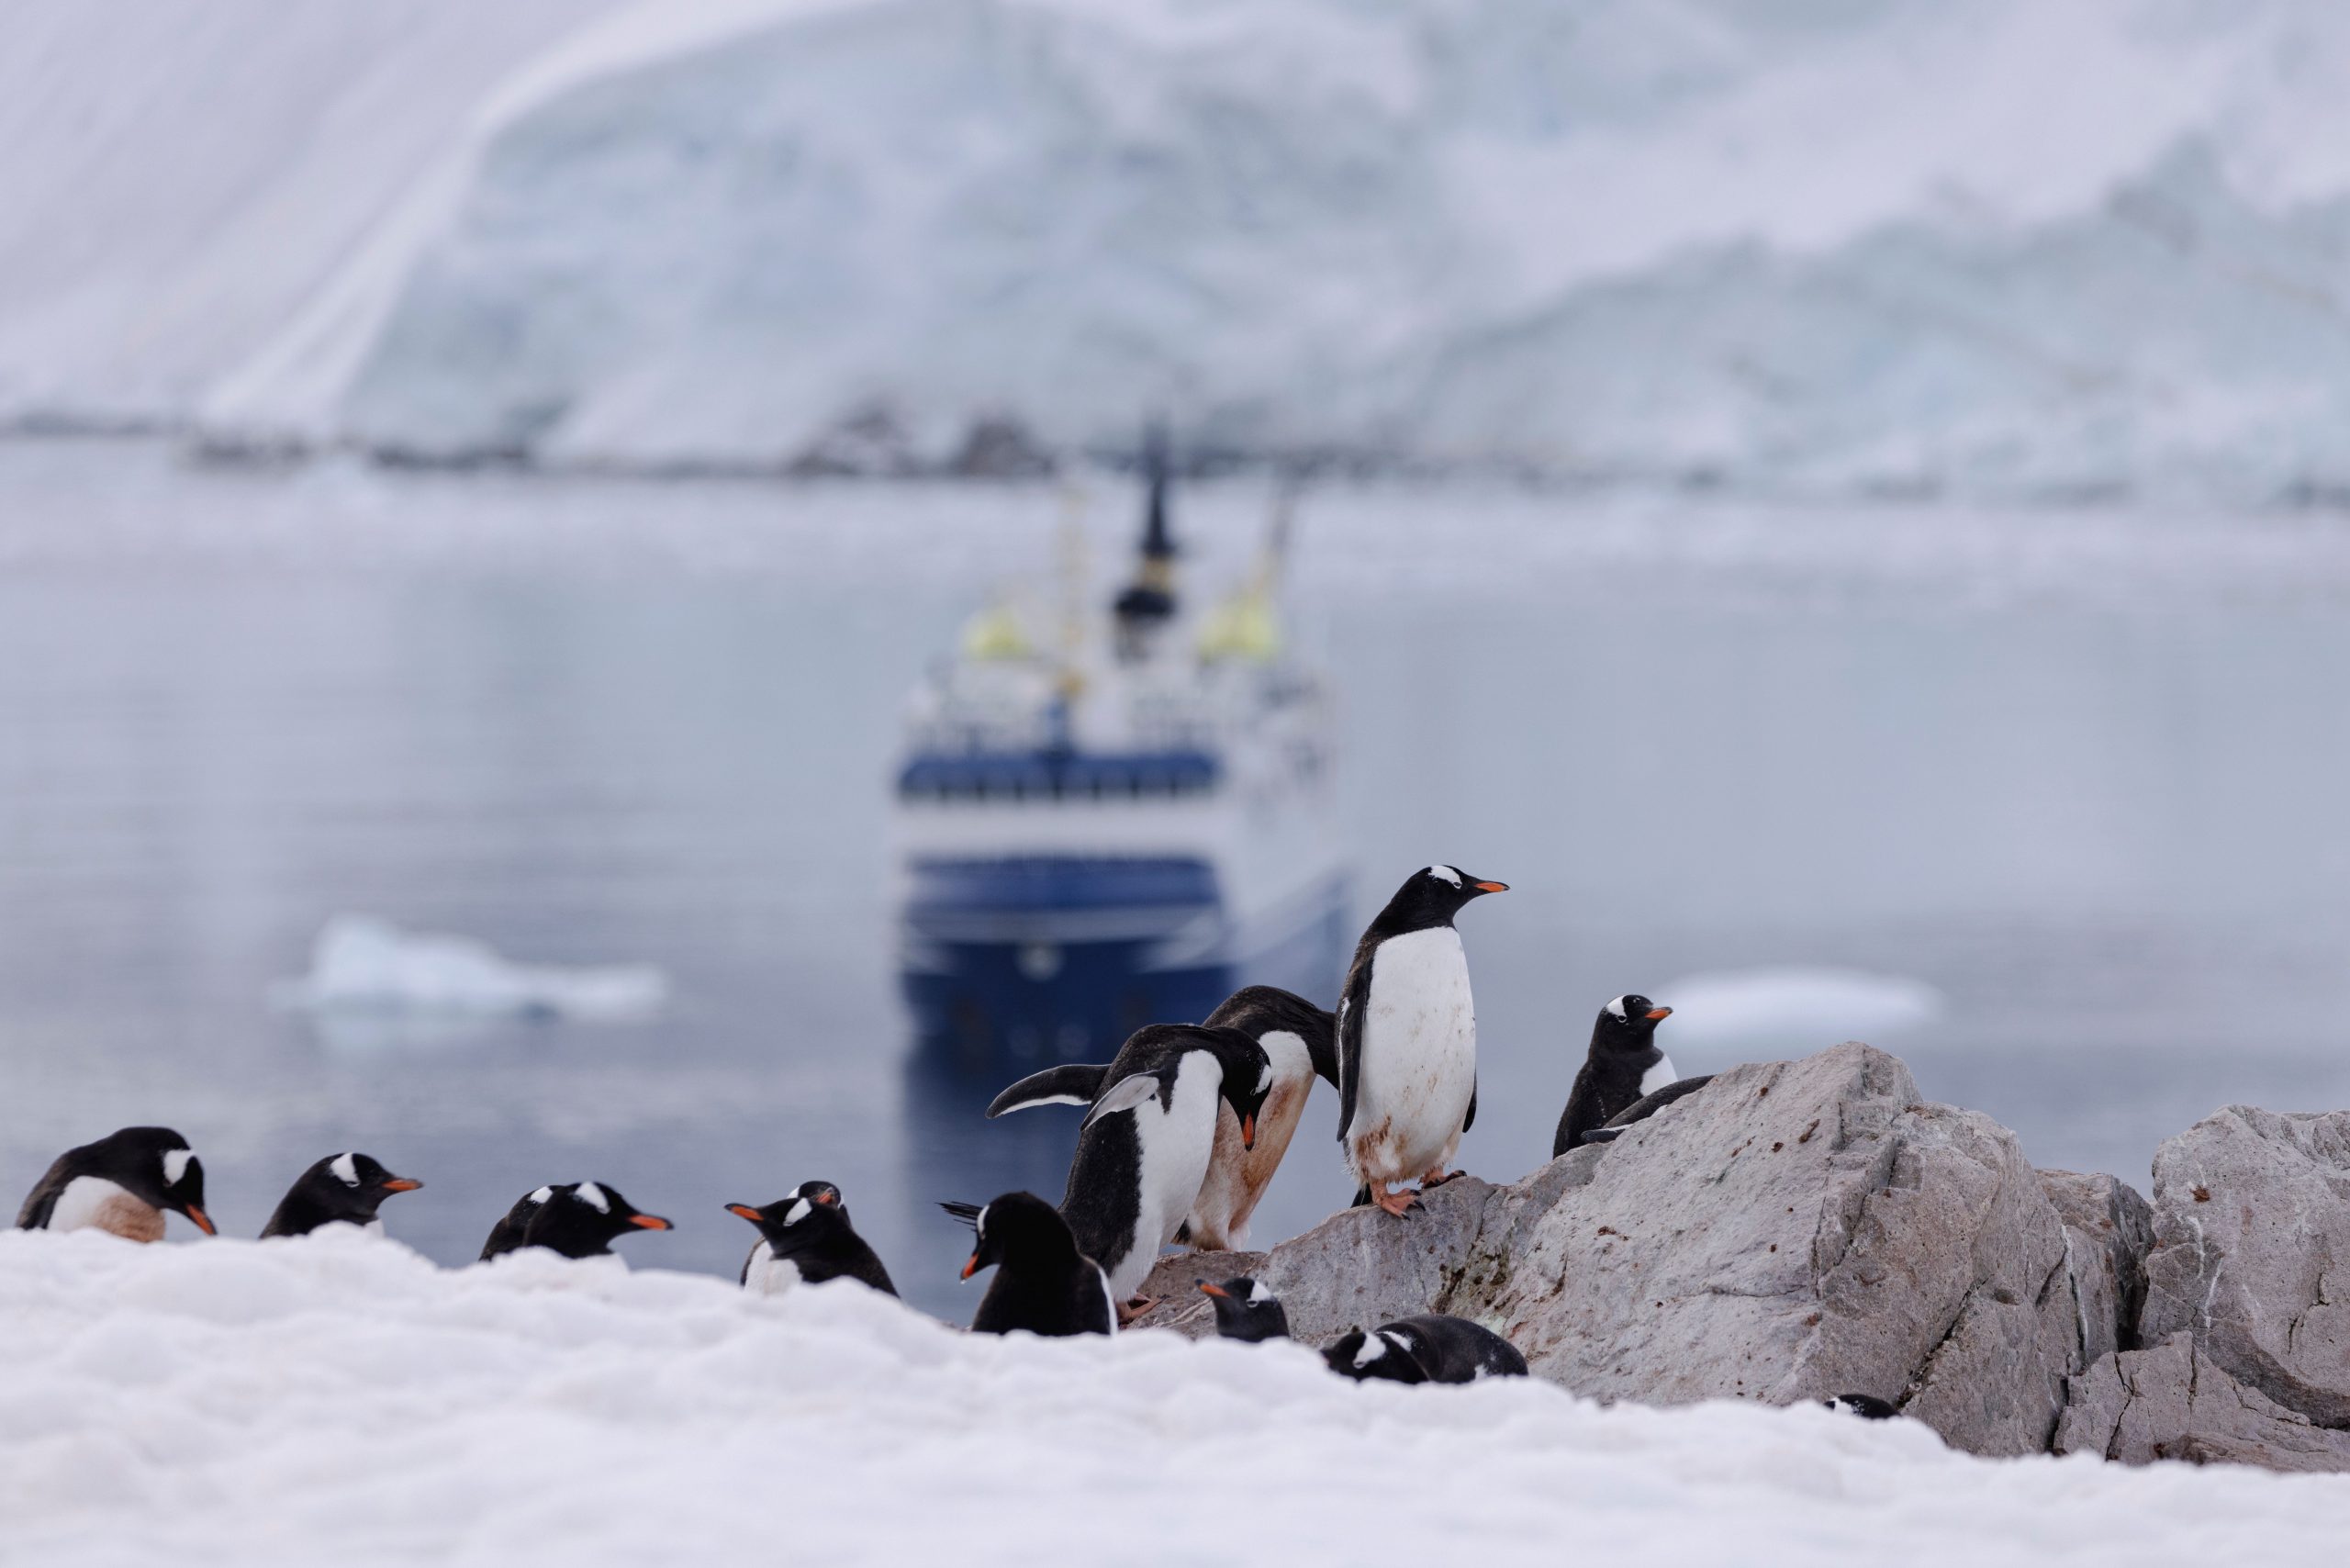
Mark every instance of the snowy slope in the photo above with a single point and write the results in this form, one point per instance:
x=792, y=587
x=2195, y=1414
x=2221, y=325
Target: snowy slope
x=339, y=1400
x=179, y=179
x=2069, y=246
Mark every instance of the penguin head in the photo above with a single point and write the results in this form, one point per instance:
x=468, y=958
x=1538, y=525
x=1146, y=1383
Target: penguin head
x=1384, y=1354
x=1248, y=1076
x=154, y=1165
x=583, y=1219
x=1628, y=1024
x=1247, y=1309
x=1016, y=1226
x=1867, y=1406
x=802, y=1216
x=350, y=1186
x=1433, y=895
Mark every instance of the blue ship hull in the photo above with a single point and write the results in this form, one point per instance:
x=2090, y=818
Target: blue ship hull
x=1015, y=964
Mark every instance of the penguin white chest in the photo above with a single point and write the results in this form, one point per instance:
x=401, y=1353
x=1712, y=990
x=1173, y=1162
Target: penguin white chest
x=1418, y=1065
x=768, y=1274
x=92, y=1202
x=1659, y=1077
x=1176, y=1143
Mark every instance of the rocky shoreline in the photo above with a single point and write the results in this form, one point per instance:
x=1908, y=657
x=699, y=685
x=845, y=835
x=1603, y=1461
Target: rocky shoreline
x=1805, y=1228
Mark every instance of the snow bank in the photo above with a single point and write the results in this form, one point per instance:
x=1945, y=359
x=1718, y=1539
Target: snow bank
x=338, y=1399
x=361, y=964
x=1996, y=245
x=1810, y=1007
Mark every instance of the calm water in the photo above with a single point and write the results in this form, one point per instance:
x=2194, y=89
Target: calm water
x=2083, y=773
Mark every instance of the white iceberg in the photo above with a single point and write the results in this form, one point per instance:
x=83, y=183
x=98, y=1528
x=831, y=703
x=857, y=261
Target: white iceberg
x=363, y=965
x=340, y=1400
x=1812, y=1007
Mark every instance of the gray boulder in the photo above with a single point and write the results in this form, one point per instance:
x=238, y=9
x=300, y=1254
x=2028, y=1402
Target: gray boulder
x=2251, y=1229
x=2109, y=1228
x=2173, y=1402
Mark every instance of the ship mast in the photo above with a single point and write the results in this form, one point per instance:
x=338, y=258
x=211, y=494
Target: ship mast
x=1148, y=602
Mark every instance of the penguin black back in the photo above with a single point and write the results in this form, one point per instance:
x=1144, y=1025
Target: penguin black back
x=1043, y=1283
x=1247, y=1310
x=1624, y=1064
x=1431, y=1348
x=123, y=1183
x=342, y=1187
x=809, y=1229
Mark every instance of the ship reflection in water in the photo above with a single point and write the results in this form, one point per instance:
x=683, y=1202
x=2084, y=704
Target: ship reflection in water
x=1096, y=833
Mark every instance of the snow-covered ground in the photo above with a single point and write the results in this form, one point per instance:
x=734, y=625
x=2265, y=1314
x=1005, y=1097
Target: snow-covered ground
x=340, y=1400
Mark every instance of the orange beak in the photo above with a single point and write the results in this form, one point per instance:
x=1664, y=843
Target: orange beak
x=650, y=1222
x=402, y=1184
x=971, y=1268
x=1214, y=1290
x=1248, y=1131
x=1660, y=1013
x=1492, y=887
x=746, y=1210
x=203, y=1221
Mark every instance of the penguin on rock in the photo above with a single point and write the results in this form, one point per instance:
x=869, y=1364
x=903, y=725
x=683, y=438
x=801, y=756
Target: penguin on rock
x=342, y=1187
x=1407, y=1040
x=1626, y=1070
x=124, y=1184
x=805, y=1235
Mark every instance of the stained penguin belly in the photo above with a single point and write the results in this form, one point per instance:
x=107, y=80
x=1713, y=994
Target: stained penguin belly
x=92, y=1202
x=1238, y=1178
x=1418, y=1060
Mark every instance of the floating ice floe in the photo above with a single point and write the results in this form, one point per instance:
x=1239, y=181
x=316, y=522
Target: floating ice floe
x=337, y=1399
x=1821, y=1007
x=363, y=965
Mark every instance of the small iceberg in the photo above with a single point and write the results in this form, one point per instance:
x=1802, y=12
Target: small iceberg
x=362, y=965
x=1813, y=1006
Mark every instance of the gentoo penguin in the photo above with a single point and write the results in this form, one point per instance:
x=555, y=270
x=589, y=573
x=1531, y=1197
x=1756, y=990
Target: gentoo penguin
x=345, y=1187
x=1867, y=1406
x=1043, y=1283
x=577, y=1219
x=1624, y=1065
x=1247, y=1309
x=1301, y=1042
x=1407, y=1039
x=1428, y=1349
x=805, y=1235
x=122, y=1183
x=1144, y=1147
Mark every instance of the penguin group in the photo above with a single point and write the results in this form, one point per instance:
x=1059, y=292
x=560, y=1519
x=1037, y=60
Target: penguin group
x=1182, y=1131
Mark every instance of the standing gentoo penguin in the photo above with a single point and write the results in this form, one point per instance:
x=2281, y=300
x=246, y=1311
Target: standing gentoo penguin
x=1144, y=1148
x=805, y=1235
x=1247, y=1310
x=1407, y=1039
x=577, y=1219
x=1625, y=1065
x=1298, y=1038
x=1043, y=1283
x=1428, y=1349
x=345, y=1187
x=122, y=1183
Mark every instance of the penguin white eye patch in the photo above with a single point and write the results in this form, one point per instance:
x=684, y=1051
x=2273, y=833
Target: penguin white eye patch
x=1260, y=1293
x=1446, y=872
x=346, y=1169
x=1617, y=1007
x=593, y=1196
x=176, y=1165
x=797, y=1211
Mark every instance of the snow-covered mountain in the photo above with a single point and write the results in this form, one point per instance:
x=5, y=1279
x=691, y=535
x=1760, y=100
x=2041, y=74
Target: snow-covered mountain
x=2002, y=246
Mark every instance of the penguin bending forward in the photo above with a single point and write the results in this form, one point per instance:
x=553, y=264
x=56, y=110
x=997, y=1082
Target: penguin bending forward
x=1624, y=1067
x=1407, y=1040
x=1300, y=1041
x=1432, y=1348
x=346, y=1187
x=1144, y=1146
x=123, y=1184
x=805, y=1235
x=1043, y=1283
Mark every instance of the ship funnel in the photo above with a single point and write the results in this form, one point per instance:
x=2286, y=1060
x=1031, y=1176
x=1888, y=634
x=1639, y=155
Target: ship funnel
x=1148, y=602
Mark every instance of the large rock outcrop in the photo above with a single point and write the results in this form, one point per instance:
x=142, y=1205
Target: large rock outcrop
x=2252, y=1253
x=1796, y=1229
x=2173, y=1402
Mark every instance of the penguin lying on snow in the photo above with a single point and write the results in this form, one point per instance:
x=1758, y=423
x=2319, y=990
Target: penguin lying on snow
x=1043, y=1283
x=1142, y=1150
x=1428, y=1349
x=1867, y=1406
x=1247, y=1310
x=805, y=1235
x=1407, y=1040
x=123, y=1184
x=577, y=1219
x=1624, y=1067
x=342, y=1187
x=1299, y=1039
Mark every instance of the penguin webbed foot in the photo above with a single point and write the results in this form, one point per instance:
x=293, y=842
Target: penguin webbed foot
x=1134, y=1306
x=1438, y=1177
x=1397, y=1204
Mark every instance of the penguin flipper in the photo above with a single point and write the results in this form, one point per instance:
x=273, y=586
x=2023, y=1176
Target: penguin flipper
x=1124, y=1095
x=1350, y=1010
x=1471, y=1119
x=1647, y=1105
x=1074, y=1084
x=1600, y=1134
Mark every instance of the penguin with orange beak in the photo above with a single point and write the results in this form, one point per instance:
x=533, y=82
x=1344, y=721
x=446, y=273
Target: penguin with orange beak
x=1148, y=1138
x=1625, y=1066
x=805, y=1237
x=583, y=1219
x=123, y=1184
x=345, y=1188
